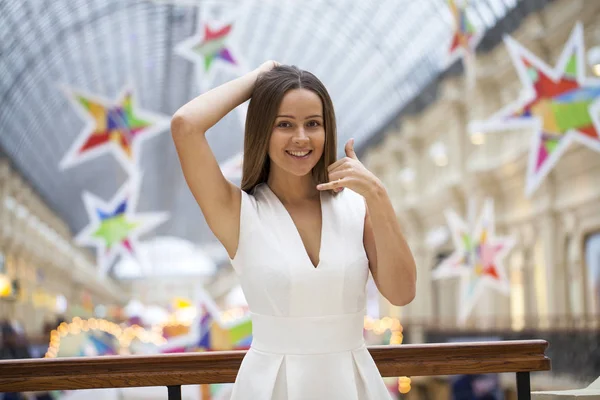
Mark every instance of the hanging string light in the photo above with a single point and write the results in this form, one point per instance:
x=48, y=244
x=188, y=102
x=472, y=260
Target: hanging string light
x=124, y=336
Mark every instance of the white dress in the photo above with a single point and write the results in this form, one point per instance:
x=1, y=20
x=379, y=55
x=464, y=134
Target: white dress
x=307, y=322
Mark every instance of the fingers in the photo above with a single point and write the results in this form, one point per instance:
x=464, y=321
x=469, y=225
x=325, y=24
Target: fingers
x=332, y=185
x=350, y=155
x=335, y=165
x=349, y=148
x=268, y=66
x=336, y=179
x=341, y=164
x=335, y=175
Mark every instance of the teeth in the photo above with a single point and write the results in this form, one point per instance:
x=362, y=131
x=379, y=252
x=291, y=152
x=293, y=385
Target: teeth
x=299, y=153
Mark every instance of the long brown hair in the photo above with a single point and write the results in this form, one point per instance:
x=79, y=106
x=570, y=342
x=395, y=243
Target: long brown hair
x=268, y=92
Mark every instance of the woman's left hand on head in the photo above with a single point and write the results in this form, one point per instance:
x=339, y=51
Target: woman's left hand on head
x=351, y=173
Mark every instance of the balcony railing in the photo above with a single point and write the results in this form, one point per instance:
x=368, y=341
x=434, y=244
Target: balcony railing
x=174, y=370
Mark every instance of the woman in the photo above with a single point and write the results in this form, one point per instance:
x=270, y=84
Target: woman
x=300, y=244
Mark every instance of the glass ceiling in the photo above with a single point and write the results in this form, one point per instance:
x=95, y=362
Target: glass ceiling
x=374, y=57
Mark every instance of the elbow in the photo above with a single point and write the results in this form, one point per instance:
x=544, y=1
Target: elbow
x=403, y=297
x=405, y=293
x=179, y=125
x=184, y=123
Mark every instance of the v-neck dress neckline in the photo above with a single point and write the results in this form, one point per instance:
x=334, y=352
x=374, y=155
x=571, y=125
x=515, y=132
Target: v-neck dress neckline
x=296, y=233
x=307, y=322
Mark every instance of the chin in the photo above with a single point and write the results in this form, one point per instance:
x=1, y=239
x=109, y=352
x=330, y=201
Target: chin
x=299, y=172
x=304, y=174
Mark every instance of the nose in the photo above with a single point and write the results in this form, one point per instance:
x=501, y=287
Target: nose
x=300, y=136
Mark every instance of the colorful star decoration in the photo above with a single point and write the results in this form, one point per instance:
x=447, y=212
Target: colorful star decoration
x=114, y=228
x=112, y=126
x=465, y=37
x=208, y=47
x=477, y=259
x=213, y=46
x=561, y=105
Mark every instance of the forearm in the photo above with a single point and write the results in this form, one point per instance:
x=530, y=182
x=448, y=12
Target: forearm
x=395, y=270
x=206, y=110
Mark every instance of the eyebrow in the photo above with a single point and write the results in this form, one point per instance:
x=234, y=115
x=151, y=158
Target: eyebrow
x=292, y=117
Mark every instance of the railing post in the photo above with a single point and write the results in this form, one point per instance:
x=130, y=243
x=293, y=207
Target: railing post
x=523, y=386
x=174, y=392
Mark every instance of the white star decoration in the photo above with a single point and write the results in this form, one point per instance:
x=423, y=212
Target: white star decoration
x=477, y=259
x=114, y=227
x=559, y=105
x=112, y=126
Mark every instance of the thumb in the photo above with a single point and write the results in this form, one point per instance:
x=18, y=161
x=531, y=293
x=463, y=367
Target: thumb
x=350, y=149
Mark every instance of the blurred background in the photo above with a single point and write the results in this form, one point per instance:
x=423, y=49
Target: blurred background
x=481, y=117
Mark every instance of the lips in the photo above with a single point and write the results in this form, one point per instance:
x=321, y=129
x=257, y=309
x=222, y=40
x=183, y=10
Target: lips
x=299, y=153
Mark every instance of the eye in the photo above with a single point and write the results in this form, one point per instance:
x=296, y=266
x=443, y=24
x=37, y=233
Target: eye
x=313, y=124
x=284, y=124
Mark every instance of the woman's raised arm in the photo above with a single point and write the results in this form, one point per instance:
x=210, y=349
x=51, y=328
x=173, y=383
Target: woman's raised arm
x=218, y=198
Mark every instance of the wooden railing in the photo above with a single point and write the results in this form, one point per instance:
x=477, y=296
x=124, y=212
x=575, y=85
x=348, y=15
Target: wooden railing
x=174, y=370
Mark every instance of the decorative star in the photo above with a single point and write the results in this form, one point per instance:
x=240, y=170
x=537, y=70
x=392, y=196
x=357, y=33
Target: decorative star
x=114, y=228
x=209, y=45
x=561, y=105
x=465, y=37
x=477, y=258
x=112, y=126
x=213, y=46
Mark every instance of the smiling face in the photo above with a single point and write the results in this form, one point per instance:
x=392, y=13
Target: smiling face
x=290, y=128
x=298, y=135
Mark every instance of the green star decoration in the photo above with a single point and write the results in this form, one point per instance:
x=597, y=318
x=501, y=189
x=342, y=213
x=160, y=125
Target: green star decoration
x=115, y=230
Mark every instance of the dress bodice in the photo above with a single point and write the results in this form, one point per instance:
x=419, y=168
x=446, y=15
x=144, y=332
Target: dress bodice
x=275, y=270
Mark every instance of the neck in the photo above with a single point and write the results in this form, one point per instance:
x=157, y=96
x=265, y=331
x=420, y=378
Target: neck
x=292, y=189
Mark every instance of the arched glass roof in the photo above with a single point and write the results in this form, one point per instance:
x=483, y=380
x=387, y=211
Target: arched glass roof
x=374, y=57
